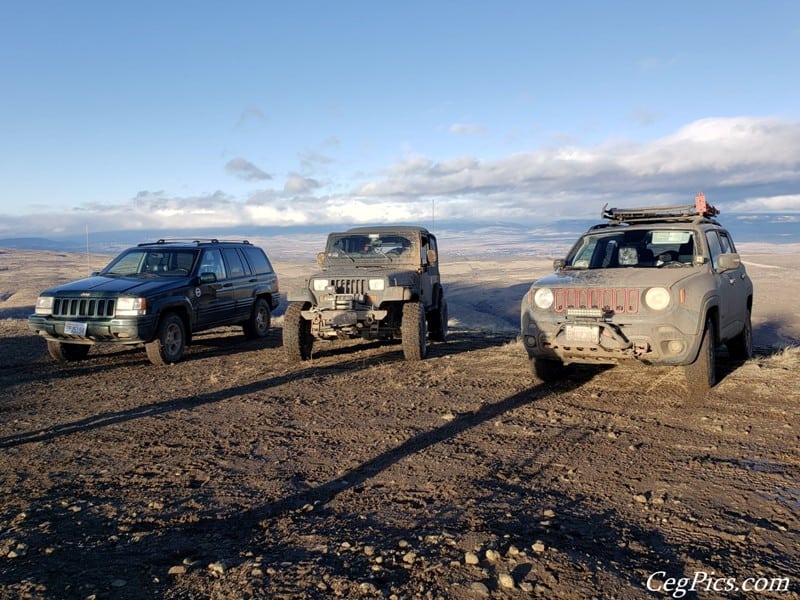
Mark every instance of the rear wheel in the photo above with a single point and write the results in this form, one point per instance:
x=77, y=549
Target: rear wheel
x=66, y=352
x=297, y=339
x=701, y=375
x=257, y=326
x=741, y=347
x=414, y=331
x=170, y=341
x=437, y=322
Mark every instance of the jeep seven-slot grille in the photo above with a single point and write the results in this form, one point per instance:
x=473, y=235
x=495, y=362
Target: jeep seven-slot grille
x=349, y=286
x=83, y=307
x=618, y=300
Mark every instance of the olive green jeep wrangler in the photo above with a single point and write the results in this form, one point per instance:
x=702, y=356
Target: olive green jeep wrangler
x=374, y=283
x=661, y=285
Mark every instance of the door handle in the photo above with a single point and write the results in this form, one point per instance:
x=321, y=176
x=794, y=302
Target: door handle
x=227, y=285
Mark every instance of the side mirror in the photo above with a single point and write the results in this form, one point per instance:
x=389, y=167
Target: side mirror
x=432, y=257
x=559, y=264
x=208, y=277
x=320, y=258
x=728, y=262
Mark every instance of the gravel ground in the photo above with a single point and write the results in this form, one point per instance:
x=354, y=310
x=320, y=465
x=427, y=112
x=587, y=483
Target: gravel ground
x=235, y=474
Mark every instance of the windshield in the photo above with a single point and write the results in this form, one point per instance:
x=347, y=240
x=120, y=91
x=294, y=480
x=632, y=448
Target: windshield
x=371, y=248
x=156, y=263
x=639, y=248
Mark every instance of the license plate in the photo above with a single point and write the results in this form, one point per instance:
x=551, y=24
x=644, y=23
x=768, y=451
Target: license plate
x=73, y=328
x=583, y=333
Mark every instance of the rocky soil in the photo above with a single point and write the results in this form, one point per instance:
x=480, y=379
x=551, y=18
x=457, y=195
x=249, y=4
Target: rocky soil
x=235, y=474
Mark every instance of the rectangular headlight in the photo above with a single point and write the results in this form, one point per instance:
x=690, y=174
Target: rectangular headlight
x=44, y=305
x=376, y=284
x=319, y=285
x=130, y=307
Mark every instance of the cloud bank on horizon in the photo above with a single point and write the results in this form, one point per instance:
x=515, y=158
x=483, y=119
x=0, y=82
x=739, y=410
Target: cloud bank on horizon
x=743, y=165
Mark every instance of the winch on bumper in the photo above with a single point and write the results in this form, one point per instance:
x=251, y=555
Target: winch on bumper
x=344, y=314
x=592, y=336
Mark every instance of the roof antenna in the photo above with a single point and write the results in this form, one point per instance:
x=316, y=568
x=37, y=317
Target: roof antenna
x=88, y=263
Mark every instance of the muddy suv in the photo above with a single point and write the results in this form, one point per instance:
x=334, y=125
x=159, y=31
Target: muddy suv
x=662, y=285
x=374, y=283
x=159, y=294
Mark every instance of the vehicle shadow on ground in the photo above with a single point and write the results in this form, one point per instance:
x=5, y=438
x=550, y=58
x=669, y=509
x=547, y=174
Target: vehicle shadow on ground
x=185, y=403
x=232, y=535
x=16, y=312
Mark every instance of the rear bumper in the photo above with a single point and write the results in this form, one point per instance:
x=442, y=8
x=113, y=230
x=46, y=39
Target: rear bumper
x=105, y=331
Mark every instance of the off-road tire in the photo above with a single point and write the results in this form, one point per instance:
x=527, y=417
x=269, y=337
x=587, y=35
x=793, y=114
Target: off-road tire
x=741, y=347
x=437, y=322
x=414, y=331
x=701, y=375
x=257, y=326
x=297, y=339
x=66, y=352
x=548, y=370
x=170, y=341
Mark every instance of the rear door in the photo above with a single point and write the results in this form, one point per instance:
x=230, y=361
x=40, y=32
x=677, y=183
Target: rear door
x=239, y=280
x=215, y=301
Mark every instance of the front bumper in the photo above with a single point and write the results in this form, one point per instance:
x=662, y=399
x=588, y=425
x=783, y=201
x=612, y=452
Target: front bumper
x=101, y=331
x=593, y=341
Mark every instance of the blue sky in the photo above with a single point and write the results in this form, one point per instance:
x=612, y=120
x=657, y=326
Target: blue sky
x=180, y=115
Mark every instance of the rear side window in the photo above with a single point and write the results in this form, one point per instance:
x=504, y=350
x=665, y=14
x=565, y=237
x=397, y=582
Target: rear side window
x=235, y=266
x=258, y=260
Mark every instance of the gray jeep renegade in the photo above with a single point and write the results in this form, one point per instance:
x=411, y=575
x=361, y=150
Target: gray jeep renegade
x=661, y=285
x=374, y=283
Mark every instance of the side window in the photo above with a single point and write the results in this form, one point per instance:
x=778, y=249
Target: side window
x=258, y=260
x=714, y=247
x=726, y=243
x=234, y=262
x=425, y=247
x=212, y=263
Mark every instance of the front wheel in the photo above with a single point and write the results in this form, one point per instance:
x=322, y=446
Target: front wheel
x=414, y=331
x=297, y=339
x=170, y=341
x=701, y=375
x=66, y=352
x=547, y=370
x=257, y=326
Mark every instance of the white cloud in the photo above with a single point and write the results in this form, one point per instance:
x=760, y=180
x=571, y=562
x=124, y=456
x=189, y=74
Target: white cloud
x=742, y=164
x=244, y=169
x=467, y=129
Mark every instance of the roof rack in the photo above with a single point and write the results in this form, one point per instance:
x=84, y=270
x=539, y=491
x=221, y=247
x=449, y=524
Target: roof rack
x=700, y=209
x=194, y=241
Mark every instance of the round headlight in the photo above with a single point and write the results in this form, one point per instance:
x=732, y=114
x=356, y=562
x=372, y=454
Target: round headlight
x=657, y=298
x=543, y=298
x=319, y=285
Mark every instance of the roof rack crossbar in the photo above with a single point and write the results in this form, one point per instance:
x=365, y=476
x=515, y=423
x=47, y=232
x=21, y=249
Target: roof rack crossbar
x=193, y=241
x=700, y=208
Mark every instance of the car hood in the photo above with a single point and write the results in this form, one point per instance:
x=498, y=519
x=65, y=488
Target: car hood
x=100, y=285
x=616, y=277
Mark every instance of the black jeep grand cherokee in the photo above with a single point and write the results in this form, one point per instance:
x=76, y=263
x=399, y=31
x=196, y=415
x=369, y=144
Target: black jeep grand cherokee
x=159, y=294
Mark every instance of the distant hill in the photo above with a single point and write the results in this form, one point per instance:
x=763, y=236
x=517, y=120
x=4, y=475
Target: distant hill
x=454, y=236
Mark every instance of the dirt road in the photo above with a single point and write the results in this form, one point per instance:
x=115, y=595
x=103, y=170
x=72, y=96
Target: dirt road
x=235, y=474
